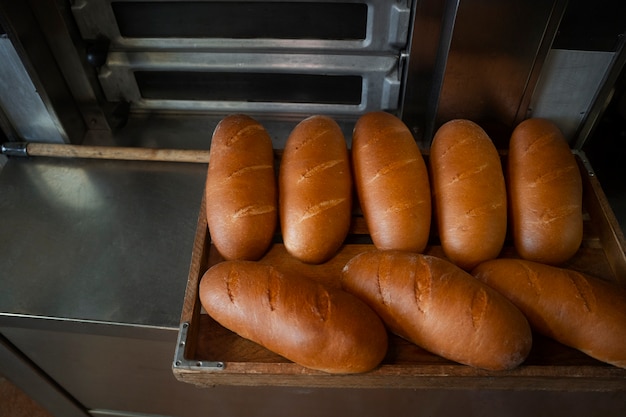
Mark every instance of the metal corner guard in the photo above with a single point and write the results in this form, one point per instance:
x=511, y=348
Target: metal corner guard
x=179, y=354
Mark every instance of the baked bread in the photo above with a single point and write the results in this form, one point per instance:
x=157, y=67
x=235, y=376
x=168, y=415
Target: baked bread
x=241, y=192
x=545, y=193
x=441, y=308
x=315, y=190
x=580, y=311
x=469, y=193
x=392, y=183
x=314, y=326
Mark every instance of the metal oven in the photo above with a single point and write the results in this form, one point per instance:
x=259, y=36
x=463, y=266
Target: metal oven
x=95, y=65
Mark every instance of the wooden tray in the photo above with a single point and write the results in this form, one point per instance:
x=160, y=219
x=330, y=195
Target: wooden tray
x=208, y=354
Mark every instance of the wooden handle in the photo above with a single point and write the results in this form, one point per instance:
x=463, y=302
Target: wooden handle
x=114, y=152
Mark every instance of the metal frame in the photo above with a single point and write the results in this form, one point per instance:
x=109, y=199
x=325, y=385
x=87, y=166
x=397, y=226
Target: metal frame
x=377, y=59
x=391, y=19
x=380, y=89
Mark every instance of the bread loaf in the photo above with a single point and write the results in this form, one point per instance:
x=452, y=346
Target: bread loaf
x=438, y=306
x=580, y=311
x=315, y=190
x=545, y=193
x=317, y=327
x=392, y=183
x=469, y=193
x=240, y=193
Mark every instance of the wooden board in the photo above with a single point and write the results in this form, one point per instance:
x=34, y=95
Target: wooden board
x=209, y=355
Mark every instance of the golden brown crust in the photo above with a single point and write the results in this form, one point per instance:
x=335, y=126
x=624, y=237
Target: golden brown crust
x=392, y=183
x=315, y=192
x=580, y=311
x=469, y=193
x=317, y=327
x=545, y=193
x=241, y=190
x=440, y=307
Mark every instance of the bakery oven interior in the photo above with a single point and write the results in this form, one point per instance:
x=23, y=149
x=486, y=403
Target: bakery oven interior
x=94, y=254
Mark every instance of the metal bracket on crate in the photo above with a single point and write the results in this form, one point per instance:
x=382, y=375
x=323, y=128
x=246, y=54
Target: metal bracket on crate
x=179, y=354
x=583, y=158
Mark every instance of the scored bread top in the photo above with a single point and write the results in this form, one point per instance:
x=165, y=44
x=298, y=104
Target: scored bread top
x=440, y=307
x=241, y=190
x=469, y=193
x=392, y=182
x=315, y=190
x=545, y=192
x=315, y=326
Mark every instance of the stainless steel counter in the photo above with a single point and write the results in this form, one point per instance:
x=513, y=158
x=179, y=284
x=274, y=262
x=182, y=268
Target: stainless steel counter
x=105, y=241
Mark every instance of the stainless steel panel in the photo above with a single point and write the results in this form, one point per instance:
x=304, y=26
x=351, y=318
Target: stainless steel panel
x=20, y=100
x=612, y=90
x=568, y=86
x=31, y=45
x=70, y=53
x=131, y=376
x=106, y=372
x=387, y=29
x=31, y=380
